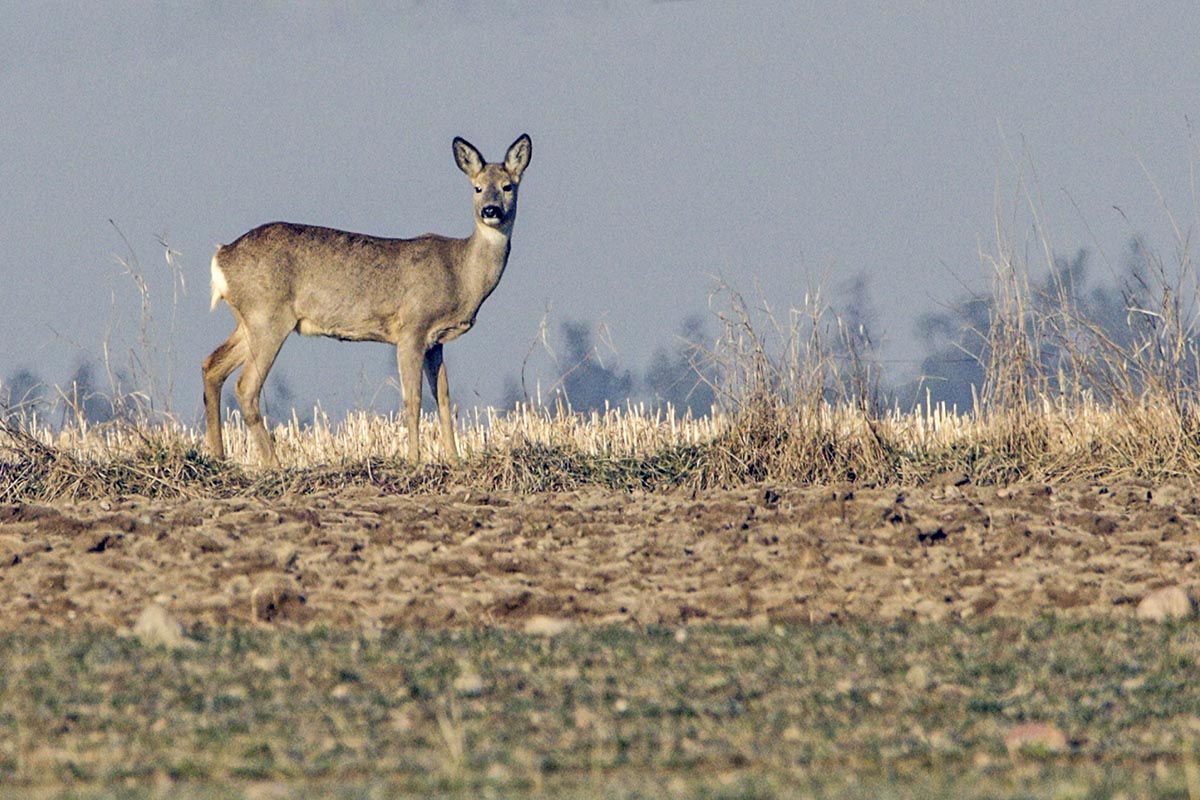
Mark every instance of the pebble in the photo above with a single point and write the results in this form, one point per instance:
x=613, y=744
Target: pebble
x=1037, y=737
x=155, y=626
x=469, y=682
x=1169, y=602
x=918, y=677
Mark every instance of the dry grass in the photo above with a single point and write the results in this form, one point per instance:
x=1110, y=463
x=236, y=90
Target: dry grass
x=1061, y=400
x=623, y=449
x=1063, y=396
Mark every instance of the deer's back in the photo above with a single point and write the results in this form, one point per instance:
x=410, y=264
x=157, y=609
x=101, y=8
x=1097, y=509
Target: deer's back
x=340, y=283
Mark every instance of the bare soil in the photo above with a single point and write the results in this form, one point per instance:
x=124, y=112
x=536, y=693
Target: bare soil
x=357, y=558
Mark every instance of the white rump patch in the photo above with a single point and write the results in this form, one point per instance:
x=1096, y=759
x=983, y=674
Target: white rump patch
x=219, y=286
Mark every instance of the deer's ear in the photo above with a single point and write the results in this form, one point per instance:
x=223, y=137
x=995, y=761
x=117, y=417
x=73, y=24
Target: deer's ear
x=519, y=153
x=467, y=157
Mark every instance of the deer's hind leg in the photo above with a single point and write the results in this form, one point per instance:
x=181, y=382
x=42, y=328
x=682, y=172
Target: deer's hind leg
x=219, y=365
x=262, y=346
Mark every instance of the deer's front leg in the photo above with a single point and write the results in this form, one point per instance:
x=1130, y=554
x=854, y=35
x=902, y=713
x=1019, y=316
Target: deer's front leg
x=409, y=356
x=435, y=371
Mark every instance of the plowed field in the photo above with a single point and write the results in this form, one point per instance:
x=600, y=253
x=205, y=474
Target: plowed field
x=359, y=559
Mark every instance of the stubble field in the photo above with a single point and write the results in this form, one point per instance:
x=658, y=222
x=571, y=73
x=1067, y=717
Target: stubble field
x=760, y=641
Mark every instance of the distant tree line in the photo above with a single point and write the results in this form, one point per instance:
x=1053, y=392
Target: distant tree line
x=679, y=374
x=690, y=373
x=88, y=399
x=1068, y=317
x=24, y=393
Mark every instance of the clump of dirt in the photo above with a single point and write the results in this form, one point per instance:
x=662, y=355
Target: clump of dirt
x=760, y=555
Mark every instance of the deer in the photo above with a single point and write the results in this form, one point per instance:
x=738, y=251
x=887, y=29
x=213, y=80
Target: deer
x=416, y=294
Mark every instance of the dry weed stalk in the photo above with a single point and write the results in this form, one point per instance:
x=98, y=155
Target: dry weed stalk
x=536, y=450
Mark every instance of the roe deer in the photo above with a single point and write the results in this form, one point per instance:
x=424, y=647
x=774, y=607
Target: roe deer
x=414, y=293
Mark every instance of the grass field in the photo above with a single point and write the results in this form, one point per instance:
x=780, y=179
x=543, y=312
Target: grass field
x=898, y=710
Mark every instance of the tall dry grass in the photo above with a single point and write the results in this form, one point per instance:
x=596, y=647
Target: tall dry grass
x=1025, y=427
x=1064, y=397
x=629, y=449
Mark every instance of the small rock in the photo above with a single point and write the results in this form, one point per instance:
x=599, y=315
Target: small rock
x=498, y=773
x=1170, y=602
x=1035, y=738
x=419, y=549
x=286, y=556
x=155, y=627
x=585, y=718
x=953, y=478
x=1133, y=684
x=277, y=600
x=540, y=625
x=918, y=677
x=469, y=682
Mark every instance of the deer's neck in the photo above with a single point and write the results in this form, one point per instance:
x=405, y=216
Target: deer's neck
x=486, y=256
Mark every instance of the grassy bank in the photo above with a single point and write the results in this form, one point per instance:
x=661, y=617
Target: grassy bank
x=622, y=450
x=912, y=710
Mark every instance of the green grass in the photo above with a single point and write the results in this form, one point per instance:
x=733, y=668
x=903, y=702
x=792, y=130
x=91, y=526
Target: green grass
x=825, y=712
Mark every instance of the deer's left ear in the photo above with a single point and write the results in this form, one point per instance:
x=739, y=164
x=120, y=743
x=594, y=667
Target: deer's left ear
x=519, y=153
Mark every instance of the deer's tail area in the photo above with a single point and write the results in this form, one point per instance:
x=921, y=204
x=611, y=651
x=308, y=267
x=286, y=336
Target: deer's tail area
x=219, y=285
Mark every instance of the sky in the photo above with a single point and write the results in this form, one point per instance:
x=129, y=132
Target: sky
x=777, y=147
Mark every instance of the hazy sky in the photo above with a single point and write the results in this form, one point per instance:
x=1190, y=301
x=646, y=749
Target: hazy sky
x=778, y=145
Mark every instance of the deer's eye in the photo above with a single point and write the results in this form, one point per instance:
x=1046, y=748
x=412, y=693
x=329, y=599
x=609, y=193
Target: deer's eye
x=478, y=189
x=507, y=187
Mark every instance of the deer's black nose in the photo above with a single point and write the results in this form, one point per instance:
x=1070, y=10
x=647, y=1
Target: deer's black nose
x=490, y=212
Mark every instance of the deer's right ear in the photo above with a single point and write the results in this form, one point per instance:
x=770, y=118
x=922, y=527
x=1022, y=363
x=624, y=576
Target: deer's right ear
x=469, y=159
